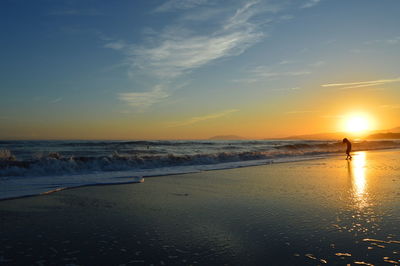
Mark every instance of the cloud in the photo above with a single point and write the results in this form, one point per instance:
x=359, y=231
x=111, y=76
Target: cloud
x=179, y=51
x=286, y=62
x=265, y=72
x=57, y=100
x=391, y=41
x=360, y=84
x=116, y=45
x=180, y=48
x=174, y=5
x=144, y=99
x=176, y=56
x=310, y=3
x=286, y=17
x=197, y=119
x=202, y=33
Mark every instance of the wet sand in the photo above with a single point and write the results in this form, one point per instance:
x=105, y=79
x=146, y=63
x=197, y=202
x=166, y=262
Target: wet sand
x=311, y=212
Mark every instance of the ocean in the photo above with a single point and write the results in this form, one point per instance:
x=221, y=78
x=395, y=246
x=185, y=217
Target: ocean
x=37, y=167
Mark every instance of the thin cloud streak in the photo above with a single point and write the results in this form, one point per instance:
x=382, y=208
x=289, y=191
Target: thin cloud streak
x=360, y=84
x=394, y=40
x=310, y=3
x=116, y=45
x=197, y=119
x=57, y=100
x=144, y=99
x=264, y=72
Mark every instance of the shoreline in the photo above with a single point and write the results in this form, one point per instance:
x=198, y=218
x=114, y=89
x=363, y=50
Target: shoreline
x=251, y=163
x=200, y=168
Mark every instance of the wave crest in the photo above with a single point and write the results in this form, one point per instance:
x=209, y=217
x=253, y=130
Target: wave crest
x=54, y=163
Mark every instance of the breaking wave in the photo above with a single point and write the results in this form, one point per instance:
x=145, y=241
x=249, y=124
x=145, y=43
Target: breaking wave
x=57, y=163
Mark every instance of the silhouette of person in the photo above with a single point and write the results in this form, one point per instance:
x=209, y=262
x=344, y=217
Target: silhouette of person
x=348, y=150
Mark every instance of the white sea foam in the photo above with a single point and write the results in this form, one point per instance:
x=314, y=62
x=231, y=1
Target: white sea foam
x=31, y=168
x=13, y=187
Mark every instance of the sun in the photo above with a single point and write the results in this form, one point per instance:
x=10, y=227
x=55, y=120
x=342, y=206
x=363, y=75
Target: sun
x=357, y=123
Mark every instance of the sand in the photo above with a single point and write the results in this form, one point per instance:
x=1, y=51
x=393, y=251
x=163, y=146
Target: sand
x=311, y=212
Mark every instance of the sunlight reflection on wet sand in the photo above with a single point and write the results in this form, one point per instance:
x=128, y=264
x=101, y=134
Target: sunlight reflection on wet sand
x=358, y=177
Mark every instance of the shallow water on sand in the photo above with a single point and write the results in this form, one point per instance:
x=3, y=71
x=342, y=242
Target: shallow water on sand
x=329, y=211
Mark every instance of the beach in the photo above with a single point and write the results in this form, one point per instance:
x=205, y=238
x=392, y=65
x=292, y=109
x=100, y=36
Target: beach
x=322, y=211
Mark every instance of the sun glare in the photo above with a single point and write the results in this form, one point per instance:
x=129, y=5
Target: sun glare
x=357, y=123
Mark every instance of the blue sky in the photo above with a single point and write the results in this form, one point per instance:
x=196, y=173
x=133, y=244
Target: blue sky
x=194, y=68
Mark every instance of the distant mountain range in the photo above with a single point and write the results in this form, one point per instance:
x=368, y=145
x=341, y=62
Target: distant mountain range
x=393, y=133
x=392, y=130
x=384, y=136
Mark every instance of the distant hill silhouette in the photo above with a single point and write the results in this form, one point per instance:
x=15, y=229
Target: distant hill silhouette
x=227, y=137
x=392, y=133
x=392, y=130
x=389, y=135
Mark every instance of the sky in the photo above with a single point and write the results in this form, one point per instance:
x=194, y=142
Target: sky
x=193, y=69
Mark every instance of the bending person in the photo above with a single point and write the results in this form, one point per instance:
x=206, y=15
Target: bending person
x=348, y=150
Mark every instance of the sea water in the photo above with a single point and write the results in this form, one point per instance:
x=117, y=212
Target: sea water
x=35, y=167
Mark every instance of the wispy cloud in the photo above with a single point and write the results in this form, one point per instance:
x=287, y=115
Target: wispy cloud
x=179, y=49
x=169, y=54
x=266, y=72
x=144, y=99
x=57, y=100
x=286, y=62
x=310, y=3
x=391, y=41
x=196, y=119
x=116, y=45
x=360, y=84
